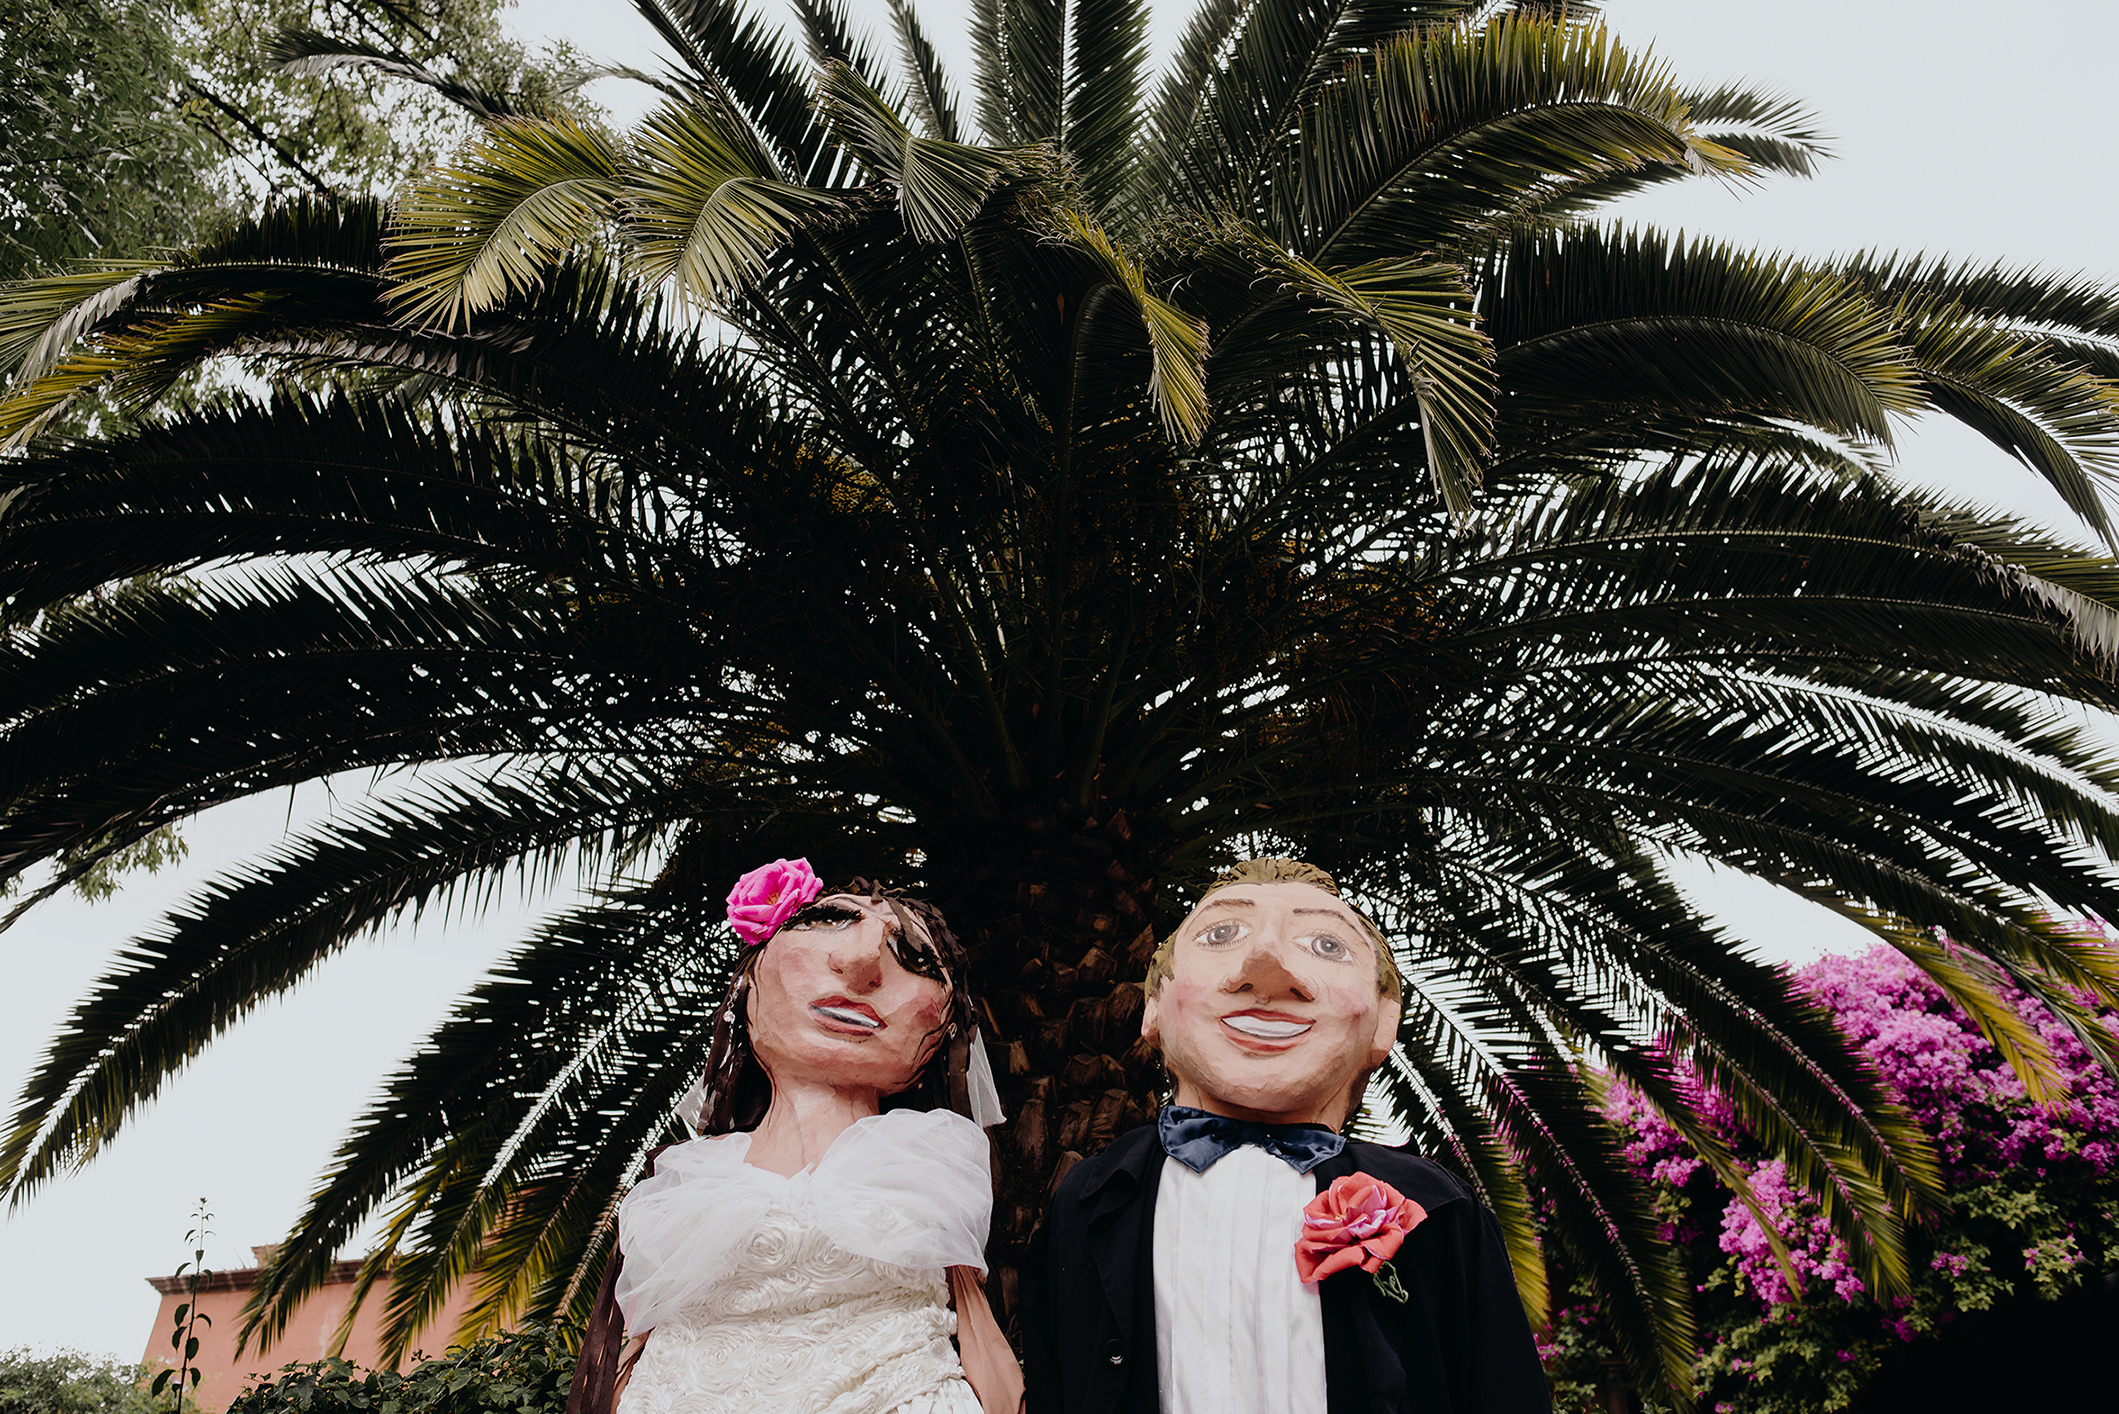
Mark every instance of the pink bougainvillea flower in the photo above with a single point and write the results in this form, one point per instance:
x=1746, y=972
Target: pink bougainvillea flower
x=770, y=895
x=1357, y=1222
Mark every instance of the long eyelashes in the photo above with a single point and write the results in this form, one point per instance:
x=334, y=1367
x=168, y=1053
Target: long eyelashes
x=823, y=915
x=917, y=958
x=912, y=955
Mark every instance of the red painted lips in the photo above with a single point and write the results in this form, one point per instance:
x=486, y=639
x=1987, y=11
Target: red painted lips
x=1260, y=1025
x=843, y=1014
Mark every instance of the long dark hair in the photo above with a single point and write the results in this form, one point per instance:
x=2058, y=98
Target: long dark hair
x=738, y=1091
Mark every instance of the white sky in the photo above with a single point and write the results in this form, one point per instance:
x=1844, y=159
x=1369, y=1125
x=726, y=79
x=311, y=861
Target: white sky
x=1967, y=128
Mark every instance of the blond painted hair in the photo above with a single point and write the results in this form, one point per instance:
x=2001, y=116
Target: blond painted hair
x=1281, y=871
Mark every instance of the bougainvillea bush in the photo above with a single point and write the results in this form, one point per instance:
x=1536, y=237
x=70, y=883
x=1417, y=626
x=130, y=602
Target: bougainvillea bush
x=2034, y=1209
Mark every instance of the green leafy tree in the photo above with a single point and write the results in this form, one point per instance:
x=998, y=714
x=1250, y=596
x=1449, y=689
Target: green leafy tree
x=97, y=158
x=329, y=97
x=132, y=126
x=71, y=1382
x=135, y=126
x=1072, y=488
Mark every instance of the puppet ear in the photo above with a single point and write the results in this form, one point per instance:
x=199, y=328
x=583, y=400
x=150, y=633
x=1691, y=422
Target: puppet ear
x=1388, y=1015
x=1151, y=1029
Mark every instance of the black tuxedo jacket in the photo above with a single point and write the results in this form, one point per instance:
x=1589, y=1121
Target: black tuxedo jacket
x=1459, y=1345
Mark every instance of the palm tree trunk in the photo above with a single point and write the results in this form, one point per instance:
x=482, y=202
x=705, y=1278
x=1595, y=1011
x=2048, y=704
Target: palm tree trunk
x=1058, y=923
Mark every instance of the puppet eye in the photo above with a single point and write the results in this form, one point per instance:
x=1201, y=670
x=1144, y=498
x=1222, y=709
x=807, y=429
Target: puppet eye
x=1327, y=946
x=823, y=915
x=917, y=957
x=1222, y=934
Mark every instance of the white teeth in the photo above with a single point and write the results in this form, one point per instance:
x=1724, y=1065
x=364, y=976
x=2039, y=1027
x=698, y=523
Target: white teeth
x=1266, y=1030
x=851, y=1018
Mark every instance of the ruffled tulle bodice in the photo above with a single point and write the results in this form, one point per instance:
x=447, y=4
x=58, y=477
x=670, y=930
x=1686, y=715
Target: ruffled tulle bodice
x=823, y=1293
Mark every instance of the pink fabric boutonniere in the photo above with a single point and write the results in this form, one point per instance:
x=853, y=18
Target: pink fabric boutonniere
x=1357, y=1222
x=770, y=895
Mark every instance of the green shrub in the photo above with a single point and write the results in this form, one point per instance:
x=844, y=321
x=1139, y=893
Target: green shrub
x=70, y=1382
x=524, y=1372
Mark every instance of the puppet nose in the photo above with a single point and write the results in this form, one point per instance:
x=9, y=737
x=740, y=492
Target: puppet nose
x=1265, y=976
x=858, y=958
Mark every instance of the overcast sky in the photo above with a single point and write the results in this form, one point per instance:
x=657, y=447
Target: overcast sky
x=1973, y=129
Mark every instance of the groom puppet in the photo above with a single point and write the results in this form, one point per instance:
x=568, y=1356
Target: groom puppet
x=1165, y=1275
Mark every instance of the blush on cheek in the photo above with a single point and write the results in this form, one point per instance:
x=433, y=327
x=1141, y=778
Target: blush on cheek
x=1181, y=994
x=928, y=1005
x=926, y=1019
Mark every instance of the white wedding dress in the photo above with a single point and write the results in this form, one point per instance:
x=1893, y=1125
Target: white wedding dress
x=823, y=1293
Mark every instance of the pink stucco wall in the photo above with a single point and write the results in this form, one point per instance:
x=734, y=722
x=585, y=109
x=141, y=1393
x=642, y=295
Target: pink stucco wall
x=309, y=1330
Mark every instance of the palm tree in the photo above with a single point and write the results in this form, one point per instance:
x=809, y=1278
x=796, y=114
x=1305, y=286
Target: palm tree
x=1283, y=460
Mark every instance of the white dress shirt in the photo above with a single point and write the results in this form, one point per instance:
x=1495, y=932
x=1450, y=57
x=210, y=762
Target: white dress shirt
x=1235, y=1332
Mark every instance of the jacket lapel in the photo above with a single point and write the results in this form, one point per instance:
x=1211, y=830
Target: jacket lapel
x=1119, y=1236
x=1362, y=1371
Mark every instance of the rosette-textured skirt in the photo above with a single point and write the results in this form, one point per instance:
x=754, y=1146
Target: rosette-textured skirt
x=803, y=1326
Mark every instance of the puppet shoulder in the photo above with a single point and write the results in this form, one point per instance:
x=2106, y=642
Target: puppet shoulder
x=1122, y=1165
x=1422, y=1180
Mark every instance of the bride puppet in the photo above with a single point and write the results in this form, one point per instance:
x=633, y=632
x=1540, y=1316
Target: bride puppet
x=805, y=1252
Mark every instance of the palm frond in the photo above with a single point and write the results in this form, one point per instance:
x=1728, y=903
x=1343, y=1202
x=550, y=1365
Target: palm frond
x=1448, y=1125
x=421, y=495
x=1705, y=329
x=1177, y=342
x=525, y=195
x=41, y=318
x=2030, y=299
x=584, y=1034
x=137, y=333
x=1425, y=310
x=1256, y=68
x=308, y=53
x=1107, y=43
x=2053, y=416
x=827, y=27
x=751, y=79
x=1180, y=103
x=940, y=184
x=928, y=86
x=248, y=938
x=1603, y=1216
x=1018, y=46
x=1418, y=147
x=1772, y=132
x=701, y=210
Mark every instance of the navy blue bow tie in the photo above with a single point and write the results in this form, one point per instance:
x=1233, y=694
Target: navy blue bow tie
x=1196, y=1139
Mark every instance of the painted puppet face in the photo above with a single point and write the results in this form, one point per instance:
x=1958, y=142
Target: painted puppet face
x=832, y=1001
x=1272, y=1007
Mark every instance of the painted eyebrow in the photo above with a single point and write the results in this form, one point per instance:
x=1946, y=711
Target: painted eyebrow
x=1341, y=916
x=1337, y=915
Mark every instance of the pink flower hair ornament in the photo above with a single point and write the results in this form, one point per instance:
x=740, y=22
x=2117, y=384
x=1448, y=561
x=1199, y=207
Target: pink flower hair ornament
x=1357, y=1222
x=770, y=895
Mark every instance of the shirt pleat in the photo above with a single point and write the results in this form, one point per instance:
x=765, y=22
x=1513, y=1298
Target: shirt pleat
x=1235, y=1332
